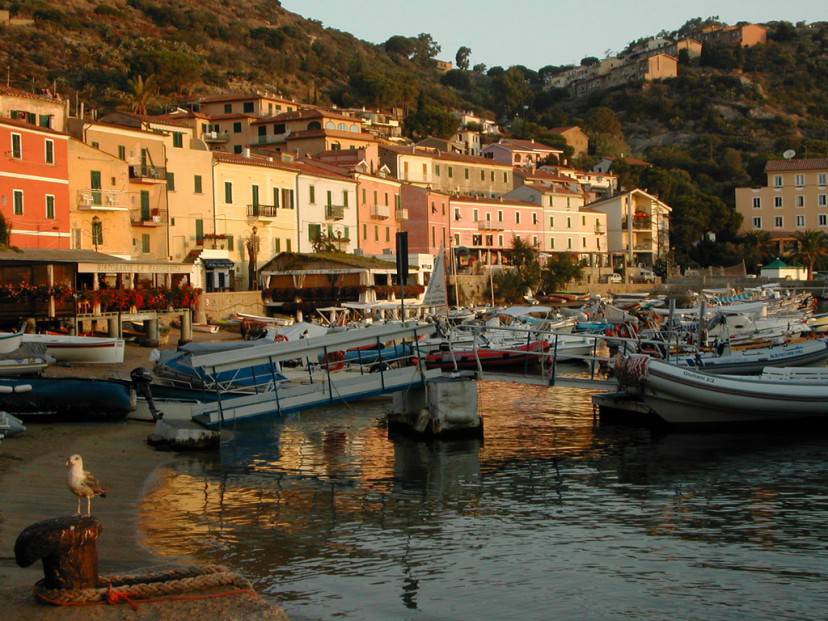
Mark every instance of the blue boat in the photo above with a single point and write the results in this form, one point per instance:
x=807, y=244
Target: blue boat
x=65, y=398
x=372, y=355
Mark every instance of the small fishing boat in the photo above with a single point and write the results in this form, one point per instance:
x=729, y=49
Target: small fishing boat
x=15, y=367
x=90, y=349
x=490, y=357
x=751, y=361
x=65, y=398
x=10, y=341
x=684, y=396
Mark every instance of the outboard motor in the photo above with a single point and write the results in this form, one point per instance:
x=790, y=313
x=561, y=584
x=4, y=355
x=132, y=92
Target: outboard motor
x=141, y=380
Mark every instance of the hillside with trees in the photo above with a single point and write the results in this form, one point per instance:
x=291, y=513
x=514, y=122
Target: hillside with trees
x=705, y=132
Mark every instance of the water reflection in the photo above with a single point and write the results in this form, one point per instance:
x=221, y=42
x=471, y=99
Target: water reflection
x=547, y=516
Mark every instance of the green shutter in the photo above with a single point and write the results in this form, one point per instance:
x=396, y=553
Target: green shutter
x=255, y=194
x=230, y=243
x=197, y=184
x=276, y=198
x=312, y=194
x=328, y=195
x=170, y=181
x=314, y=232
x=18, y=202
x=345, y=197
x=50, y=152
x=199, y=231
x=145, y=242
x=277, y=245
x=17, y=146
x=178, y=139
x=145, y=205
x=50, y=207
x=121, y=152
x=228, y=192
x=288, y=245
x=95, y=184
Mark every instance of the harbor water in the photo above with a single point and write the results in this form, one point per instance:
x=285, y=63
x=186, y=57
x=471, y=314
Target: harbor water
x=548, y=517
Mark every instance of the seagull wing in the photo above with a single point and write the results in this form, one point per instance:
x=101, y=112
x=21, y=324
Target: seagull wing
x=92, y=483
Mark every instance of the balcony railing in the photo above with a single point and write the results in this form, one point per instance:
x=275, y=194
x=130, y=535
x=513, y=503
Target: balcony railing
x=488, y=225
x=262, y=211
x=101, y=200
x=142, y=218
x=146, y=171
x=334, y=212
x=380, y=211
x=215, y=137
x=639, y=224
x=401, y=214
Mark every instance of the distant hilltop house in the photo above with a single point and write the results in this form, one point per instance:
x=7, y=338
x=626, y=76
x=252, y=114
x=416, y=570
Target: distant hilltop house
x=575, y=137
x=524, y=153
x=444, y=66
x=7, y=20
x=744, y=35
x=487, y=126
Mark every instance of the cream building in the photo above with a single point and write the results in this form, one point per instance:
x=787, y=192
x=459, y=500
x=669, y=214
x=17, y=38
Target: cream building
x=326, y=203
x=638, y=226
x=794, y=199
x=251, y=194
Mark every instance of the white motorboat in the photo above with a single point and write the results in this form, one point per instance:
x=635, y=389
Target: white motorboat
x=10, y=341
x=64, y=348
x=751, y=361
x=683, y=396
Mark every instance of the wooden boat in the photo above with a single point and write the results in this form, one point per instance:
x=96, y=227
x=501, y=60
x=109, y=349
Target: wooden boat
x=90, y=349
x=490, y=357
x=683, y=396
x=751, y=361
x=10, y=341
x=65, y=398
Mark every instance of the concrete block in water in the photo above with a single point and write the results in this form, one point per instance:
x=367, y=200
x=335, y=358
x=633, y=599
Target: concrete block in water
x=177, y=435
x=446, y=407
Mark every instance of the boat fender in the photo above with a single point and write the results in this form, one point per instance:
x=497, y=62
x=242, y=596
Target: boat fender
x=23, y=388
x=4, y=390
x=280, y=338
x=335, y=360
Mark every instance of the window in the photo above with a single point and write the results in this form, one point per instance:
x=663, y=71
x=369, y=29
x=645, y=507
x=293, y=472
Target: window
x=457, y=239
x=482, y=175
x=314, y=232
x=276, y=193
x=433, y=236
x=364, y=231
x=277, y=245
x=50, y=207
x=500, y=215
x=178, y=139
x=552, y=244
x=171, y=182
x=500, y=240
x=287, y=199
x=237, y=149
x=583, y=242
x=228, y=108
x=17, y=146
x=505, y=177
x=279, y=128
x=145, y=206
x=569, y=242
x=425, y=171
x=551, y=222
x=822, y=200
x=551, y=201
x=386, y=200
x=312, y=194
x=96, y=145
x=197, y=184
x=822, y=179
x=800, y=201
x=466, y=173
x=329, y=198
x=237, y=127
x=583, y=220
x=45, y=120
x=569, y=223
x=492, y=176
x=777, y=181
x=800, y=180
x=364, y=196
x=517, y=217
x=18, y=202
x=95, y=185
x=121, y=152
x=50, y=151
x=199, y=233
x=230, y=243
x=345, y=198
x=228, y=192
x=254, y=196
x=800, y=221
x=823, y=219
x=145, y=243
x=97, y=232
x=375, y=197
x=248, y=106
x=757, y=202
x=437, y=169
x=376, y=232
x=450, y=172
x=476, y=215
x=778, y=222
x=534, y=218
x=288, y=245
x=777, y=201
x=457, y=213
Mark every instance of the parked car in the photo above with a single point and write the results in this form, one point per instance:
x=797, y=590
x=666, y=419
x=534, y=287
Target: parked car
x=614, y=278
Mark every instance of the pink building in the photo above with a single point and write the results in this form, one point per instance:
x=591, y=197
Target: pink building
x=34, y=184
x=524, y=153
x=379, y=211
x=488, y=227
x=429, y=219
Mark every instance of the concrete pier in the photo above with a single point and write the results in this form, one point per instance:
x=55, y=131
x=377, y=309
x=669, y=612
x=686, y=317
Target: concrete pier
x=186, y=327
x=446, y=407
x=151, y=329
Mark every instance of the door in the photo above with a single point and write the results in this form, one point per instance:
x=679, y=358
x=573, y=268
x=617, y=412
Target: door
x=95, y=184
x=146, y=216
x=255, y=194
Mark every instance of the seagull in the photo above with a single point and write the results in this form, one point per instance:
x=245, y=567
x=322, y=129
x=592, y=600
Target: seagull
x=82, y=483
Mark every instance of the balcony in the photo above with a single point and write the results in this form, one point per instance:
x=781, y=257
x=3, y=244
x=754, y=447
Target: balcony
x=262, y=211
x=141, y=218
x=334, y=212
x=215, y=137
x=401, y=214
x=380, y=211
x=100, y=200
x=488, y=225
x=147, y=173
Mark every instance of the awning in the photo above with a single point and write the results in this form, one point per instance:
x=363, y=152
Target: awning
x=223, y=264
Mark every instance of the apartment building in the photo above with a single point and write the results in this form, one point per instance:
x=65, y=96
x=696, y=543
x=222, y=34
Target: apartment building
x=743, y=35
x=428, y=221
x=254, y=104
x=379, y=210
x=575, y=137
x=524, y=153
x=638, y=227
x=794, y=199
x=40, y=110
x=326, y=203
x=646, y=69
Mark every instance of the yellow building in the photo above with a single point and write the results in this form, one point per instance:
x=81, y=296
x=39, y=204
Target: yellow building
x=252, y=194
x=794, y=199
x=41, y=110
x=100, y=199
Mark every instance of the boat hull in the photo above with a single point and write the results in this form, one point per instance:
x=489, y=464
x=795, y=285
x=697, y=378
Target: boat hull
x=10, y=342
x=87, y=349
x=489, y=358
x=67, y=398
x=751, y=362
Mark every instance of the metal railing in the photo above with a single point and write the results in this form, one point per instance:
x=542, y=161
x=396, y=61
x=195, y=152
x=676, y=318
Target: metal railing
x=260, y=210
x=401, y=214
x=146, y=171
x=94, y=198
x=380, y=211
x=215, y=136
x=488, y=225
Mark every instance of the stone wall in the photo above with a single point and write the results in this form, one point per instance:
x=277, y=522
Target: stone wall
x=220, y=305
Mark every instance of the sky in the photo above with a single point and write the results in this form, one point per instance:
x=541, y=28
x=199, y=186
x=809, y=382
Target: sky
x=536, y=33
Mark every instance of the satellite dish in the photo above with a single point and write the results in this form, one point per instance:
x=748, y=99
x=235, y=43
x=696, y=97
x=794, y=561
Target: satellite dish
x=789, y=154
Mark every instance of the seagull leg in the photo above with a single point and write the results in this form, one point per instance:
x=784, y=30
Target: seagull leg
x=88, y=505
x=78, y=511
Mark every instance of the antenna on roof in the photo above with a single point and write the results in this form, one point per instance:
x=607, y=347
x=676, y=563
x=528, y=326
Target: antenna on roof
x=789, y=154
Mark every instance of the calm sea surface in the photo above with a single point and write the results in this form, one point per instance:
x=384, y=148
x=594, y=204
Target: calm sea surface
x=549, y=517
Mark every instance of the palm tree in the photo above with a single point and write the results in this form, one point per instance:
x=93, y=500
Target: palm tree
x=811, y=245
x=758, y=248
x=142, y=93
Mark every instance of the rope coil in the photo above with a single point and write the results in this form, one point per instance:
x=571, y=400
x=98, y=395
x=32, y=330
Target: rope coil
x=150, y=586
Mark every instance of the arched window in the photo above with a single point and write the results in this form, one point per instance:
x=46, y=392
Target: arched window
x=330, y=125
x=314, y=125
x=355, y=129
x=517, y=157
x=343, y=127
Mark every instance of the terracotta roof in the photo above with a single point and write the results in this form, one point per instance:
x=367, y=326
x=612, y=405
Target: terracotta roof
x=543, y=174
x=334, y=133
x=55, y=255
x=632, y=161
x=494, y=202
x=254, y=160
x=10, y=91
x=447, y=157
x=524, y=145
x=317, y=169
x=189, y=114
x=817, y=163
x=243, y=96
x=35, y=128
x=230, y=115
x=307, y=113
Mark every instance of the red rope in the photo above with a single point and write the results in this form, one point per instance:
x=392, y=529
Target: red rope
x=113, y=598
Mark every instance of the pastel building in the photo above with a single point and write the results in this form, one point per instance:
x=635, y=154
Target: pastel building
x=488, y=227
x=34, y=184
x=575, y=137
x=380, y=214
x=524, y=153
x=795, y=198
x=428, y=219
x=326, y=203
